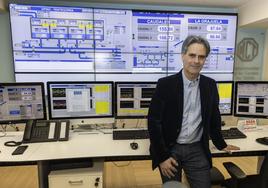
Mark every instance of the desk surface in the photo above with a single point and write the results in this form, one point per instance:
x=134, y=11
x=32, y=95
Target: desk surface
x=100, y=145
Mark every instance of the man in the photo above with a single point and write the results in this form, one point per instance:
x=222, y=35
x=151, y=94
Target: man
x=182, y=116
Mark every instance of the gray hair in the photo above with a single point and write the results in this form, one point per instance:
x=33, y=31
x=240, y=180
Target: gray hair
x=191, y=39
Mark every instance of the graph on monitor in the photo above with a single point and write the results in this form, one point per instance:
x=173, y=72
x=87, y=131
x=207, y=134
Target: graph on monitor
x=81, y=102
x=21, y=101
x=251, y=99
x=133, y=99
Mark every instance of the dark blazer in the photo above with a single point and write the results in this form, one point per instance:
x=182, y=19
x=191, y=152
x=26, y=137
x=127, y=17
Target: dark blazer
x=165, y=116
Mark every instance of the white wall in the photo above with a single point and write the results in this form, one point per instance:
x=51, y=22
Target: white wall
x=253, y=11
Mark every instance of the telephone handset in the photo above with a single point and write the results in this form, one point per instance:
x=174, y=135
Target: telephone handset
x=46, y=131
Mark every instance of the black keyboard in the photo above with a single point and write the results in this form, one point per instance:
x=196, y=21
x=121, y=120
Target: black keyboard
x=130, y=134
x=232, y=133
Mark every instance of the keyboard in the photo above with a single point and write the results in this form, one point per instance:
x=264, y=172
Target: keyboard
x=129, y=134
x=232, y=133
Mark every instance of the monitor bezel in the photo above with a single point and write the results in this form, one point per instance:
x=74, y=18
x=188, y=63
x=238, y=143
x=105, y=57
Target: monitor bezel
x=115, y=98
x=232, y=97
x=80, y=82
x=235, y=101
x=42, y=95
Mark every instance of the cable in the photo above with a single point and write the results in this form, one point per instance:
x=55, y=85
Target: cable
x=12, y=143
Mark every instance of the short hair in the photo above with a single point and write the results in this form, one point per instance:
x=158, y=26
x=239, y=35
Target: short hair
x=191, y=39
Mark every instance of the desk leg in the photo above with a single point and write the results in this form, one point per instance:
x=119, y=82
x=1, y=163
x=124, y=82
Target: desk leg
x=43, y=170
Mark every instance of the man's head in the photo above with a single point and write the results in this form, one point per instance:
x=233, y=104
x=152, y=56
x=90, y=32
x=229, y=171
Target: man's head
x=194, y=51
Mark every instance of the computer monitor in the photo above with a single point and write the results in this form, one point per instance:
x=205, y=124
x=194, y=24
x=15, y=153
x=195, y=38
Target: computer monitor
x=21, y=101
x=84, y=103
x=251, y=99
x=133, y=99
x=225, y=90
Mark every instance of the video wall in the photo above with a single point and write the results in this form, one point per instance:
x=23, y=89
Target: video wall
x=53, y=43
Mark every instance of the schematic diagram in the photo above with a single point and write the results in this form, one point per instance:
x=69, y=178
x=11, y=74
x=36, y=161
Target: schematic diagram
x=152, y=34
x=69, y=39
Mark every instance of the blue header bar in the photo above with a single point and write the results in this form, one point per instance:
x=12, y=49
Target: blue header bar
x=207, y=21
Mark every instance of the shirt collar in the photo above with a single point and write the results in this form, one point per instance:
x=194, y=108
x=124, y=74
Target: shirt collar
x=187, y=82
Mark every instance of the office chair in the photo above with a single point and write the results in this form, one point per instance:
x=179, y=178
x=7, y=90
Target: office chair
x=217, y=177
x=240, y=180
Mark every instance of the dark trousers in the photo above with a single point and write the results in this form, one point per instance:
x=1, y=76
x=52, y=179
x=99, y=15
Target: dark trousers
x=192, y=159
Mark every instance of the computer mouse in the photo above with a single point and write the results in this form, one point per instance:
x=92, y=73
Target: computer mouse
x=134, y=145
x=262, y=140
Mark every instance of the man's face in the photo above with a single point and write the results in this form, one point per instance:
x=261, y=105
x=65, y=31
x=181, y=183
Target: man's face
x=194, y=59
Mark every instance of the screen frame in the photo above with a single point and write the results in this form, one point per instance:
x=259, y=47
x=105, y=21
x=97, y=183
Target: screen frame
x=235, y=101
x=232, y=96
x=115, y=100
x=80, y=82
x=41, y=84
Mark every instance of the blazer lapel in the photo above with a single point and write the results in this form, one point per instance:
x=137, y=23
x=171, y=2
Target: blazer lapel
x=204, y=94
x=179, y=95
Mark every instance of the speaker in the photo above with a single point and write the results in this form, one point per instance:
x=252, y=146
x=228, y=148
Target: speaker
x=3, y=7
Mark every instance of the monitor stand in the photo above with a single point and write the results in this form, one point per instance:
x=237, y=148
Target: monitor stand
x=85, y=128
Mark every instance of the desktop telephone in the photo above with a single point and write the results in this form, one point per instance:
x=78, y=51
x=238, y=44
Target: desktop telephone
x=46, y=131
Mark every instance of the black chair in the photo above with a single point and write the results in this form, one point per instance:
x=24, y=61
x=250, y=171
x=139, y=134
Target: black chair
x=217, y=177
x=240, y=180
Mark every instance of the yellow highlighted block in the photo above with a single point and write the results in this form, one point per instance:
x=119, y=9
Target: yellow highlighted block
x=89, y=26
x=81, y=26
x=102, y=107
x=102, y=88
x=45, y=24
x=53, y=25
x=225, y=90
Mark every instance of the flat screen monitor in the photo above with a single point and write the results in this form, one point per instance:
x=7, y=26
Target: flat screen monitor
x=81, y=101
x=225, y=90
x=251, y=99
x=21, y=101
x=91, y=42
x=133, y=99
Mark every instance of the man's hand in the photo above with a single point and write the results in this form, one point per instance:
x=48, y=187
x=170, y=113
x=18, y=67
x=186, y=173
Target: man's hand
x=168, y=167
x=229, y=148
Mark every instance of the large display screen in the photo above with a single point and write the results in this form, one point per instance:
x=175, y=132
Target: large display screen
x=84, y=41
x=225, y=90
x=133, y=99
x=251, y=99
x=21, y=101
x=80, y=99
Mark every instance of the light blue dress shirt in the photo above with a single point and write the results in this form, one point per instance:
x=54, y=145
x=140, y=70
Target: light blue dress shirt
x=191, y=130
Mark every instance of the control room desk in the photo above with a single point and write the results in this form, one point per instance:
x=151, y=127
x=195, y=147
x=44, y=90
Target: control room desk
x=102, y=146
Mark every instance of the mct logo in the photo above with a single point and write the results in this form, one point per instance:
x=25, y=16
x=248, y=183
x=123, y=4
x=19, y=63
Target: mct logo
x=247, y=49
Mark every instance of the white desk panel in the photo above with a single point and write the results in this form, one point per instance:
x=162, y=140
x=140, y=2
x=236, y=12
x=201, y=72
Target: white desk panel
x=5, y=154
x=82, y=145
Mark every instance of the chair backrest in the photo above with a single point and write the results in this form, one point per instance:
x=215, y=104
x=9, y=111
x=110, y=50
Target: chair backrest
x=264, y=172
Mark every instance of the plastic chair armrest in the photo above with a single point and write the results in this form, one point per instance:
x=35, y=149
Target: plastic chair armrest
x=234, y=171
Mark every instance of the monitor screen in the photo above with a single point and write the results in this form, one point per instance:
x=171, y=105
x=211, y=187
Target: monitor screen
x=251, y=99
x=80, y=100
x=133, y=99
x=225, y=90
x=91, y=42
x=21, y=101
